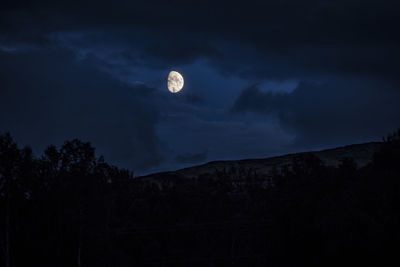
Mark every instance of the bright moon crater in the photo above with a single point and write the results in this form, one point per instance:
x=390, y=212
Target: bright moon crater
x=175, y=82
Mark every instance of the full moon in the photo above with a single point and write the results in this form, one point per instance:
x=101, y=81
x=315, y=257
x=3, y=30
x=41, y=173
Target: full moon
x=175, y=82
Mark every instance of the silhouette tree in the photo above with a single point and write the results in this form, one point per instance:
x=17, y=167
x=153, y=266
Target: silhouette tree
x=69, y=208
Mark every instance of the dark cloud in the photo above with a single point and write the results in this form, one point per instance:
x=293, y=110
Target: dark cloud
x=194, y=99
x=252, y=99
x=287, y=19
x=180, y=49
x=289, y=37
x=191, y=157
x=48, y=97
x=328, y=114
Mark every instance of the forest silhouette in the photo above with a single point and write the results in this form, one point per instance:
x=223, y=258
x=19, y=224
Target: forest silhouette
x=68, y=207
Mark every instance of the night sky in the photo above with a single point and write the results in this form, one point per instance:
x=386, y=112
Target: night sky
x=262, y=78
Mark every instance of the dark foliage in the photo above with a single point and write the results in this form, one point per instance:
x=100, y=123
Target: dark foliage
x=70, y=208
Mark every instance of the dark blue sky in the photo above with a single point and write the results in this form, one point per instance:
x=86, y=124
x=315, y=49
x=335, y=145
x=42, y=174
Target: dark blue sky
x=262, y=78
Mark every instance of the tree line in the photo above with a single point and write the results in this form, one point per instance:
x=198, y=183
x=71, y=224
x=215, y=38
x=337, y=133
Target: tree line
x=69, y=207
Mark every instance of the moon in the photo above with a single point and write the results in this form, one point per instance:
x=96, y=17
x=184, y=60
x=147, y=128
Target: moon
x=175, y=82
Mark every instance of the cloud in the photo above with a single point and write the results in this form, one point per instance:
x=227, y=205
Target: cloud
x=252, y=99
x=328, y=114
x=47, y=97
x=277, y=39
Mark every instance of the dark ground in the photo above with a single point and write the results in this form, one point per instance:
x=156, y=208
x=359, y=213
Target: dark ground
x=69, y=208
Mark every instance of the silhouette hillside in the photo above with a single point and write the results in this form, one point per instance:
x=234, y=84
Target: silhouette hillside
x=362, y=154
x=67, y=207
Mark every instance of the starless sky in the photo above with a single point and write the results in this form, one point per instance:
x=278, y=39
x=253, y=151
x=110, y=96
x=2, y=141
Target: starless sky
x=262, y=78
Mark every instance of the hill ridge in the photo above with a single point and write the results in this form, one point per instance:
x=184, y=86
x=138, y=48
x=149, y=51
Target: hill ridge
x=362, y=154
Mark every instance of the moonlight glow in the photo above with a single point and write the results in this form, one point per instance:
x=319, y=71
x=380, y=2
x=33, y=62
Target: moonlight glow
x=175, y=82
